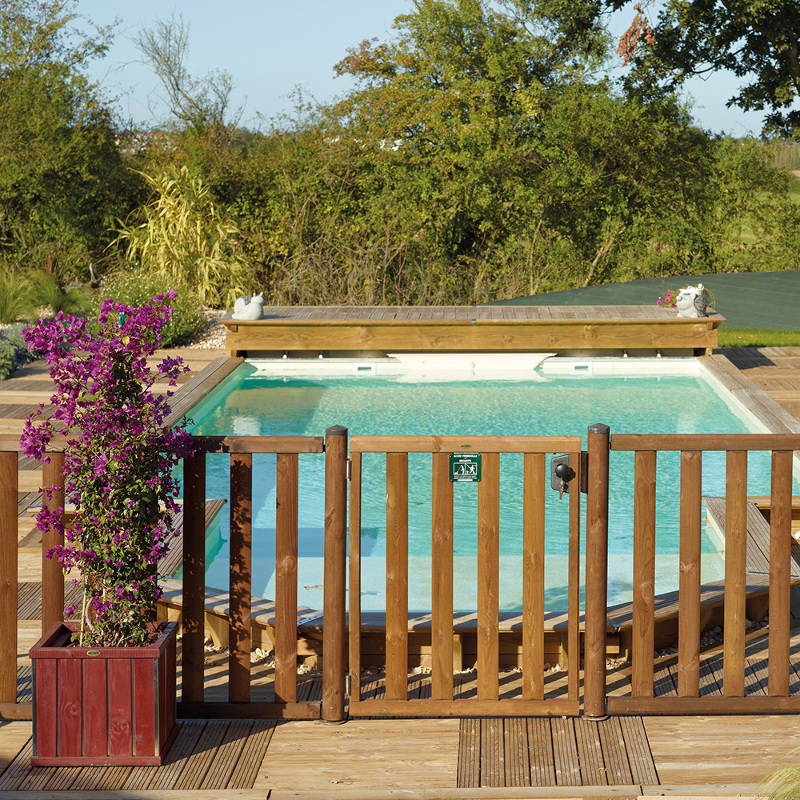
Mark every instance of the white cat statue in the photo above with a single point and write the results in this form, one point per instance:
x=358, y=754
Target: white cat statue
x=249, y=307
x=691, y=301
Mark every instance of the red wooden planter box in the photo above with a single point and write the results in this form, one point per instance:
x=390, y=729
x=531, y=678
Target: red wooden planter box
x=102, y=705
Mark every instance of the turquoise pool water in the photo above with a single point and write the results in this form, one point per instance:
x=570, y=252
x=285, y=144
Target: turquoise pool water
x=255, y=404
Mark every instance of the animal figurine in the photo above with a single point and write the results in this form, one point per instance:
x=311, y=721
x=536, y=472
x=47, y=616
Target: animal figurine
x=691, y=301
x=249, y=307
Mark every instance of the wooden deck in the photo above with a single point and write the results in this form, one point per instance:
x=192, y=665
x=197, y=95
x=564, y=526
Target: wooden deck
x=436, y=758
x=391, y=329
x=629, y=756
x=776, y=370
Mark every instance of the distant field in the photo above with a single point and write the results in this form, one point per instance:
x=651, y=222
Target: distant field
x=753, y=337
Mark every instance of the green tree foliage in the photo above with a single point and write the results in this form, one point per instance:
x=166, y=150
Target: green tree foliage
x=755, y=40
x=479, y=159
x=62, y=178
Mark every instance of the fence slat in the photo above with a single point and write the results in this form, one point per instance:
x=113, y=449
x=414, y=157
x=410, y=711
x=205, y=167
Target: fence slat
x=397, y=576
x=735, y=569
x=574, y=585
x=644, y=574
x=355, y=576
x=689, y=581
x=442, y=579
x=596, y=571
x=780, y=551
x=241, y=578
x=52, y=575
x=533, y=577
x=9, y=568
x=286, y=579
x=335, y=572
x=489, y=579
x=194, y=577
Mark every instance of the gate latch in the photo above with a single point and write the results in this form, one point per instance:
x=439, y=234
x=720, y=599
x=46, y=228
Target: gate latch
x=561, y=473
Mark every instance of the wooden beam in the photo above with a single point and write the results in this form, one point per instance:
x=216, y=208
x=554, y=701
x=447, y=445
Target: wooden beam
x=466, y=444
x=8, y=577
x=334, y=641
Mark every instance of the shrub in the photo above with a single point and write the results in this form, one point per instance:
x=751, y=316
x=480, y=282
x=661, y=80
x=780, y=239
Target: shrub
x=187, y=239
x=119, y=462
x=48, y=292
x=135, y=287
x=16, y=299
x=7, y=360
x=13, y=336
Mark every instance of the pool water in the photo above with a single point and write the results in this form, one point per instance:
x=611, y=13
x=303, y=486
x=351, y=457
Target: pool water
x=251, y=403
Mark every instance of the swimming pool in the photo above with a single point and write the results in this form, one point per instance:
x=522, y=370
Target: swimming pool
x=291, y=399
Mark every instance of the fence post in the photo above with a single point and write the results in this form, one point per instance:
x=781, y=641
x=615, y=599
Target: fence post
x=333, y=629
x=8, y=577
x=52, y=574
x=594, y=675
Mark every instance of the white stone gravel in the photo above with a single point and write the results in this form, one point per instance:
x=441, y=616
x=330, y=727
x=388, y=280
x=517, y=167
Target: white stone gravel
x=212, y=336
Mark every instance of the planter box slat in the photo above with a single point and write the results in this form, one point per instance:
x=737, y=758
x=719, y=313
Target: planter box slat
x=103, y=706
x=70, y=707
x=95, y=708
x=45, y=711
x=144, y=674
x=120, y=728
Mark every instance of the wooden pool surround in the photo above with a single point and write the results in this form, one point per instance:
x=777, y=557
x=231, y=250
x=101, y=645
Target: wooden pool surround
x=388, y=329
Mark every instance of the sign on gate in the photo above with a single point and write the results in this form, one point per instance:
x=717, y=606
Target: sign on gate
x=465, y=467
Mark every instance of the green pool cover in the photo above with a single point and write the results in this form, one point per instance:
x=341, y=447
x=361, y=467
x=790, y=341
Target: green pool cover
x=745, y=299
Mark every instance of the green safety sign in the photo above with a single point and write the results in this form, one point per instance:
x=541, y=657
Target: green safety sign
x=465, y=467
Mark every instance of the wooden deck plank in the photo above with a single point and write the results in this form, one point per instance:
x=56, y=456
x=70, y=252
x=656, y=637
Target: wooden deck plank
x=197, y=765
x=167, y=775
x=16, y=772
x=565, y=752
x=517, y=762
x=615, y=754
x=540, y=749
x=643, y=768
x=246, y=769
x=590, y=753
x=228, y=754
x=492, y=753
x=721, y=750
x=469, y=754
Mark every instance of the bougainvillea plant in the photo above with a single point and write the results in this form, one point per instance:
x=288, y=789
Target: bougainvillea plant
x=119, y=461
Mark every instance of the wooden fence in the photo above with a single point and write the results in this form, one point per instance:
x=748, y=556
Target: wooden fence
x=691, y=448
x=442, y=702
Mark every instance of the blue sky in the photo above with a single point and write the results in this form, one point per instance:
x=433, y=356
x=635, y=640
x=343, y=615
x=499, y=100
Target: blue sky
x=272, y=47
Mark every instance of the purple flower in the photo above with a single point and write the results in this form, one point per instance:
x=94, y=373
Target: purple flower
x=119, y=459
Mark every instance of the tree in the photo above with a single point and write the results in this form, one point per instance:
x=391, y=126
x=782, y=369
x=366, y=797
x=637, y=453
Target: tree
x=486, y=125
x=757, y=41
x=198, y=104
x=62, y=178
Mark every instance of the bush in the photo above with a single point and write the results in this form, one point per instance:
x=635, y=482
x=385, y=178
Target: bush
x=47, y=292
x=7, y=360
x=135, y=287
x=13, y=335
x=16, y=299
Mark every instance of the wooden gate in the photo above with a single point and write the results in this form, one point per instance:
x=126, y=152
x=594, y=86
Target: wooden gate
x=488, y=700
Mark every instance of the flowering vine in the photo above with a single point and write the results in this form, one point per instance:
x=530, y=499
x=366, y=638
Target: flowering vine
x=119, y=461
